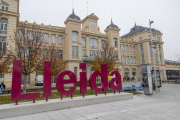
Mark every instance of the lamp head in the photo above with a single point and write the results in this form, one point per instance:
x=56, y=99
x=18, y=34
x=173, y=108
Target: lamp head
x=151, y=22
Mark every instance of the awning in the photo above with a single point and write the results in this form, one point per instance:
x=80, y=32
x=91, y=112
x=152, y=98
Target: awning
x=143, y=71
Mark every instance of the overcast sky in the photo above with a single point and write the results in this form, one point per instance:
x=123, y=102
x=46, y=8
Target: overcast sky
x=164, y=13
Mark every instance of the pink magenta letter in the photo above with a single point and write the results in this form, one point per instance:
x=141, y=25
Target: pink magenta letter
x=83, y=78
x=117, y=80
x=16, y=84
x=47, y=79
x=104, y=77
x=60, y=81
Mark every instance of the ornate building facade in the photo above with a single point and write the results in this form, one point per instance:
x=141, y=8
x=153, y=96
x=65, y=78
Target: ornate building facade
x=80, y=39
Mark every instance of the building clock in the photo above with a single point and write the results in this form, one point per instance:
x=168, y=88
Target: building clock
x=93, y=24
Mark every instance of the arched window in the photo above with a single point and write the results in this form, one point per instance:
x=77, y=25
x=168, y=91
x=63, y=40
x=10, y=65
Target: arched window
x=4, y=24
x=74, y=36
x=93, y=43
x=140, y=39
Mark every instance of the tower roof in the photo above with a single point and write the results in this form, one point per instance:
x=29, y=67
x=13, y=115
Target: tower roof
x=112, y=25
x=73, y=16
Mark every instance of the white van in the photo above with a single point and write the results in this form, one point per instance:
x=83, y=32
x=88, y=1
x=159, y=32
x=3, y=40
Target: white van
x=39, y=80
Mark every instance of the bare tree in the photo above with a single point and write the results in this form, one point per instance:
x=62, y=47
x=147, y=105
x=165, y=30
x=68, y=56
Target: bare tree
x=27, y=45
x=106, y=56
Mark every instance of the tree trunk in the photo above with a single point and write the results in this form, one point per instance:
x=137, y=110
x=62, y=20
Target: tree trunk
x=25, y=83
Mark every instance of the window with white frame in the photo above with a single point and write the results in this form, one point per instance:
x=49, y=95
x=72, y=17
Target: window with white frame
x=123, y=48
x=142, y=51
x=74, y=36
x=116, y=54
x=131, y=59
x=83, y=42
x=83, y=53
x=154, y=37
x=150, y=37
x=115, y=42
x=127, y=59
x=103, y=44
x=74, y=51
x=134, y=50
x=20, y=35
x=53, y=39
x=124, y=59
x=60, y=39
x=140, y=39
x=127, y=48
x=46, y=37
x=134, y=60
x=4, y=6
x=4, y=24
x=29, y=35
x=93, y=43
x=143, y=61
x=2, y=45
x=93, y=53
x=158, y=39
x=130, y=48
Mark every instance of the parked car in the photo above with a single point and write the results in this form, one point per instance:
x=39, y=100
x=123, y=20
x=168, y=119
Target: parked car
x=39, y=80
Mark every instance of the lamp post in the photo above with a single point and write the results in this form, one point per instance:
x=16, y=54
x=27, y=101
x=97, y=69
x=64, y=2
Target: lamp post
x=150, y=22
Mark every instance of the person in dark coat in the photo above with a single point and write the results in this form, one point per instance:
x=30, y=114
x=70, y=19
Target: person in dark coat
x=2, y=87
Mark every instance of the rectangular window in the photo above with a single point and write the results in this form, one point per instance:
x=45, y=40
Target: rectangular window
x=150, y=37
x=74, y=51
x=155, y=49
x=160, y=59
x=134, y=50
x=154, y=37
x=29, y=35
x=103, y=44
x=156, y=58
x=74, y=36
x=20, y=35
x=46, y=38
x=61, y=54
x=134, y=60
x=83, y=53
x=127, y=59
x=123, y=48
x=4, y=26
x=126, y=48
x=158, y=39
x=131, y=59
x=75, y=71
x=38, y=36
x=142, y=51
x=4, y=6
x=53, y=39
x=93, y=43
x=116, y=54
x=93, y=53
x=60, y=39
x=83, y=42
x=159, y=49
x=130, y=47
x=124, y=59
x=115, y=42
x=2, y=45
x=142, y=55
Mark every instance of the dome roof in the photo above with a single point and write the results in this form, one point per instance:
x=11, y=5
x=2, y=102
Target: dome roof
x=112, y=25
x=73, y=16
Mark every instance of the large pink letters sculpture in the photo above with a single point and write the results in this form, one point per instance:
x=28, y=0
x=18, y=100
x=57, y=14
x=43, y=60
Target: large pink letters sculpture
x=16, y=85
x=60, y=81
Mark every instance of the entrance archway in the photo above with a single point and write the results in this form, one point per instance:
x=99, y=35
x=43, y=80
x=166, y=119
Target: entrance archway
x=126, y=74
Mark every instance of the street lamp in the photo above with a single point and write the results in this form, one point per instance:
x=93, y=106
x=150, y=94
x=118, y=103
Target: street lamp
x=150, y=22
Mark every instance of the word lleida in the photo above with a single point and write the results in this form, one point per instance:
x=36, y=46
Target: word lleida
x=60, y=81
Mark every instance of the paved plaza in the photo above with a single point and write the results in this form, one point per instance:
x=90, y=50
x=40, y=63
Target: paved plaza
x=162, y=106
